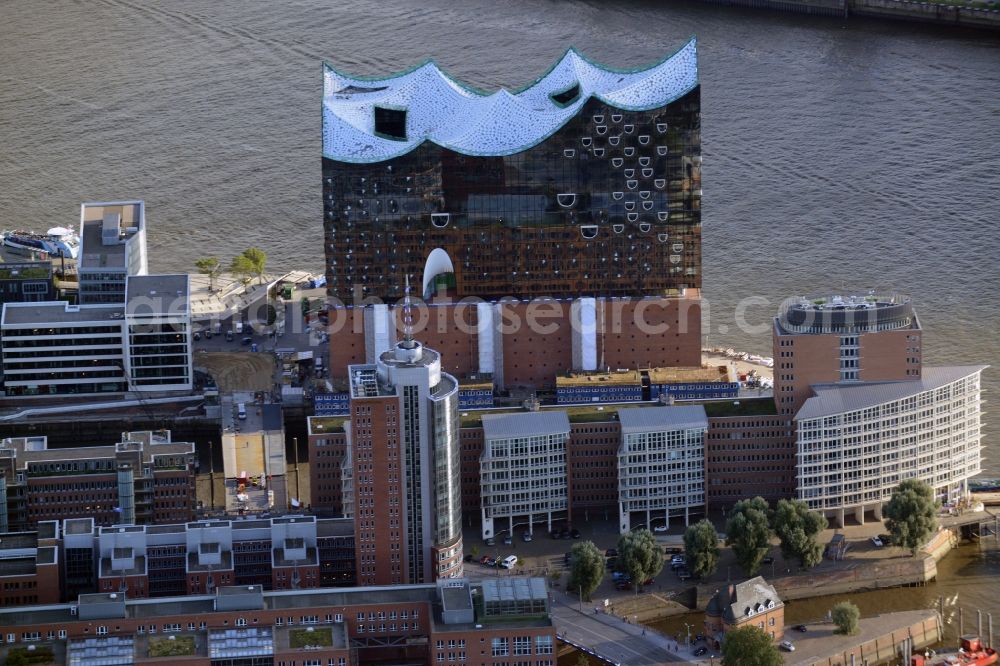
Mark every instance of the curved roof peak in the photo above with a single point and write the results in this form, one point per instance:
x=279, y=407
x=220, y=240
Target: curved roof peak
x=443, y=110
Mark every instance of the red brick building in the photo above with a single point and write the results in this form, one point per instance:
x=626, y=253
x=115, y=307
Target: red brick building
x=419, y=624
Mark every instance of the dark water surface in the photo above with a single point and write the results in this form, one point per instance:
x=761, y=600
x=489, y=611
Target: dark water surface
x=836, y=156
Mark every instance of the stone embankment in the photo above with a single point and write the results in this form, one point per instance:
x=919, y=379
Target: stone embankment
x=969, y=15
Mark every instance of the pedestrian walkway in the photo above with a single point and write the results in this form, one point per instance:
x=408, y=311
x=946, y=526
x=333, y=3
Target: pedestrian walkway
x=611, y=638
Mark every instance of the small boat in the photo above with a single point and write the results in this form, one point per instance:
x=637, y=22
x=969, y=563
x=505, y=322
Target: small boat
x=971, y=653
x=984, y=485
x=56, y=242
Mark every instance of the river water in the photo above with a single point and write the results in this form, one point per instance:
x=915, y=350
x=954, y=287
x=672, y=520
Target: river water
x=967, y=579
x=837, y=156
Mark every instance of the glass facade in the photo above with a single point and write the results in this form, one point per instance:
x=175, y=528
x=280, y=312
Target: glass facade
x=610, y=205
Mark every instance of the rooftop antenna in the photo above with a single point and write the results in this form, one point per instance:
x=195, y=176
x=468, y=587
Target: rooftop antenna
x=407, y=317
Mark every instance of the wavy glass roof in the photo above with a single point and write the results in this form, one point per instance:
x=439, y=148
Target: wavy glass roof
x=450, y=114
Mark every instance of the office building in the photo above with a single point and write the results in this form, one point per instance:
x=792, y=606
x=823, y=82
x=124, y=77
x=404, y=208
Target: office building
x=414, y=624
x=26, y=282
x=158, y=330
x=403, y=486
x=30, y=567
x=661, y=466
x=523, y=474
x=60, y=560
x=112, y=247
x=144, y=478
x=840, y=339
x=140, y=344
x=58, y=349
x=580, y=193
x=857, y=443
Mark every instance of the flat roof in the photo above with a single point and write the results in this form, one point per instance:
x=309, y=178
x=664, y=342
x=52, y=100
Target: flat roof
x=147, y=295
x=712, y=373
x=833, y=399
x=59, y=312
x=680, y=417
x=715, y=373
x=93, y=252
x=321, y=425
x=78, y=526
x=525, y=424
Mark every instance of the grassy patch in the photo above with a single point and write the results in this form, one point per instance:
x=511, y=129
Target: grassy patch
x=178, y=646
x=299, y=638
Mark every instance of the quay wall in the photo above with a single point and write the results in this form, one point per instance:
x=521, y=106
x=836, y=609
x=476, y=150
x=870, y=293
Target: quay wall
x=907, y=10
x=883, y=647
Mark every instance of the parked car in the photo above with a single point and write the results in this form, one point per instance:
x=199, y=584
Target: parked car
x=487, y=561
x=787, y=646
x=877, y=542
x=575, y=534
x=660, y=528
x=564, y=533
x=649, y=581
x=886, y=539
x=196, y=336
x=768, y=560
x=619, y=575
x=508, y=539
x=611, y=552
x=678, y=559
x=468, y=557
x=673, y=550
x=801, y=627
x=208, y=334
x=246, y=341
x=490, y=541
x=612, y=562
x=526, y=536
x=683, y=575
x=699, y=637
x=623, y=585
x=700, y=651
x=568, y=558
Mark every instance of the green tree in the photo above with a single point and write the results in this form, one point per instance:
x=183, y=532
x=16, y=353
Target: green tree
x=701, y=546
x=581, y=660
x=748, y=532
x=242, y=267
x=257, y=259
x=474, y=551
x=749, y=646
x=209, y=266
x=847, y=617
x=911, y=514
x=587, y=570
x=17, y=658
x=639, y=555
x=798, y=528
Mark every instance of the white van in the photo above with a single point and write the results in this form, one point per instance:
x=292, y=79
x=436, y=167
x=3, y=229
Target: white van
x=241, y=411
x=509, y=562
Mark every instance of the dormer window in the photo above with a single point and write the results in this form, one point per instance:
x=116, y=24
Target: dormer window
x=390, y=123
x=566, y=97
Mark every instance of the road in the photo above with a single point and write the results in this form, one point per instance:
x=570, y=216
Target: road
x=612, y=638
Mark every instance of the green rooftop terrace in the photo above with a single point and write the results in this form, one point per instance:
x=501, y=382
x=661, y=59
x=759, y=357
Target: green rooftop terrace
x=321, y=425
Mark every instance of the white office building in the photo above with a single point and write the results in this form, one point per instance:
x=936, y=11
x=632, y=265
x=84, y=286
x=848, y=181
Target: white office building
x=112, y=247
x=55, y=349
x=857, y=442
x=661, y=466
x=523, y=474
x=158, y=329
